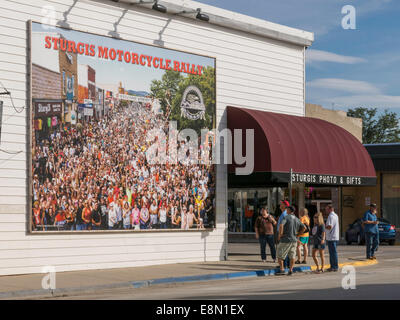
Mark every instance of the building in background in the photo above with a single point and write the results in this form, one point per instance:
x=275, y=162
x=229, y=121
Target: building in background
x=87, y=93
x=260, y=79
x=338, y=117
x=47, y=109
x=69, y=82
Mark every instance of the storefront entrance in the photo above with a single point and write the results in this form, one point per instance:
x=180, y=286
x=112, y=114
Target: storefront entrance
x=244, y=205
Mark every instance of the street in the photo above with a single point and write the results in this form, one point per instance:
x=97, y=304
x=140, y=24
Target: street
x=380, y=281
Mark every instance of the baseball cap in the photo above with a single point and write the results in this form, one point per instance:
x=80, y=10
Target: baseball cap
x=286, y=203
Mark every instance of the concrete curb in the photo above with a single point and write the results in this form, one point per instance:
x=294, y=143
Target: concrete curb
x=42, y=293
x=220, y=276
x=354, y=264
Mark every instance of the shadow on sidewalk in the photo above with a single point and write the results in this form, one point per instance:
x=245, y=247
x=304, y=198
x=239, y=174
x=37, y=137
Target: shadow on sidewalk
x=364, y=292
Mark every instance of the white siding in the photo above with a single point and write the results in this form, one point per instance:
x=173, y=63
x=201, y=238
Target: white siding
x=252, y=72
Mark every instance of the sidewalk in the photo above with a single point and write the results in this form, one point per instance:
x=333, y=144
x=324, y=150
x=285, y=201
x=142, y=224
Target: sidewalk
x=244, y=261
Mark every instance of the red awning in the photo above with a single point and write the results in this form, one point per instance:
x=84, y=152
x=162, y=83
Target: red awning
x=317, y=151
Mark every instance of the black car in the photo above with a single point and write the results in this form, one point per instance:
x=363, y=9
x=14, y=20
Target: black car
x=355, y=232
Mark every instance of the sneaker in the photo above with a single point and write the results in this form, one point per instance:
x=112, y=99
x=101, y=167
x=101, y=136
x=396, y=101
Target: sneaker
x=290, y=273
x=331, y=270
x=264, y=260
x=304, y=262
x=297, y=262
x=373, y=258
x=280, y=273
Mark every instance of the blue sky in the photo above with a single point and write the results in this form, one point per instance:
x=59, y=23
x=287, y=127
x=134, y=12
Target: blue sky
x=133, y=77
x=345, y=68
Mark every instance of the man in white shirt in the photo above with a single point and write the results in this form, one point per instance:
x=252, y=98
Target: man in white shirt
x=332, y=237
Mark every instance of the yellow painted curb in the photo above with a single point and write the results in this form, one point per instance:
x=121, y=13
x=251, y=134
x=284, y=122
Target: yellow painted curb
x=355, y=264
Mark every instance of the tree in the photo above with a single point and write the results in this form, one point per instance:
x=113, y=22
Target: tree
x=166, y=87
x=377, y=129
x=175, y=84
x=206, y=84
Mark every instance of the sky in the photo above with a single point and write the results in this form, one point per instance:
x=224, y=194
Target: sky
x=133, y=77
x=344, y=68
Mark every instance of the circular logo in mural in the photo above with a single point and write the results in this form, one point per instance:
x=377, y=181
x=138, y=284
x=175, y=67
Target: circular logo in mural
x=192, y=105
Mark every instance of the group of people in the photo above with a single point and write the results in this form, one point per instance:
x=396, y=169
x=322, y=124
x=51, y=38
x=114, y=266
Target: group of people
x=293, y=234
x=97, y=177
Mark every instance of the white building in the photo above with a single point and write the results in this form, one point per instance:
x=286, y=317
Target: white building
x=259, y=65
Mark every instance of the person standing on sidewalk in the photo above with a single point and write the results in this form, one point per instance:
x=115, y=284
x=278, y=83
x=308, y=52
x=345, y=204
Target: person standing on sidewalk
x=332, y=237
x=289, y=229
x=318, y=234
x=264, y=227
x=303, y=238
x=370, y=224
x=283, y=206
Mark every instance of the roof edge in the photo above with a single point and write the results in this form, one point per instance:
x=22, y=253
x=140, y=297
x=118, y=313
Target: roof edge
x=233, y=20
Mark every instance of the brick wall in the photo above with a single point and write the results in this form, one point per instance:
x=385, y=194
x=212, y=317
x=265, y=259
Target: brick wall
x=70, y=70
x=46, y=84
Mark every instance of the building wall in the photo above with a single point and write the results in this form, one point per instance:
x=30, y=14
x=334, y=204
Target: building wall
x=70, y=70
x=252, y=71
x=361, y=195
x=338, y=117
x=47, y=83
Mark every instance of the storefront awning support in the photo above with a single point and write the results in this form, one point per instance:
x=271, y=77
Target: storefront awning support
x=290, y=186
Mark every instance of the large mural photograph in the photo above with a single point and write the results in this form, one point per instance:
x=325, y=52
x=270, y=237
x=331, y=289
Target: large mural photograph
x=122, y=134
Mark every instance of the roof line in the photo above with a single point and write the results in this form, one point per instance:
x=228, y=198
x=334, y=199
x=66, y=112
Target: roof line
x=232, y=20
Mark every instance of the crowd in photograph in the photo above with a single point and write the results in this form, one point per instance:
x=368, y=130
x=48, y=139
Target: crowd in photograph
x=96, y=176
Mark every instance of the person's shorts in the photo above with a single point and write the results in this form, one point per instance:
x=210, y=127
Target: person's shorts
x=319, y=246
x=286, y=249
x=303, y=240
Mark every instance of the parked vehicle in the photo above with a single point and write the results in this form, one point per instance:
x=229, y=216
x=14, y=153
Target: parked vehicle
x=355, y=232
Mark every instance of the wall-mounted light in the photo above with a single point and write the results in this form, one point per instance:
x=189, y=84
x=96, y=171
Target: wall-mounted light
x=202, y=16
x=159, y=7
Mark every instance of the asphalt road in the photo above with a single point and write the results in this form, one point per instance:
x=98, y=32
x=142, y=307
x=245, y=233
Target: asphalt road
x=381, y=281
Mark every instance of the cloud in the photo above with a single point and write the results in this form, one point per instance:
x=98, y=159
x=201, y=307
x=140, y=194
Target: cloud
x=344, y=85
x=325, y=56
x=345, y=94
x=376, y=101
x=318, y=16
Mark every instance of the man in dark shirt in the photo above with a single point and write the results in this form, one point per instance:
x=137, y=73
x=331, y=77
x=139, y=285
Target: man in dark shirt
x=79, y=220
x=264, y=227
x=96, y=217
x=289, y=229
x=104, y=214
